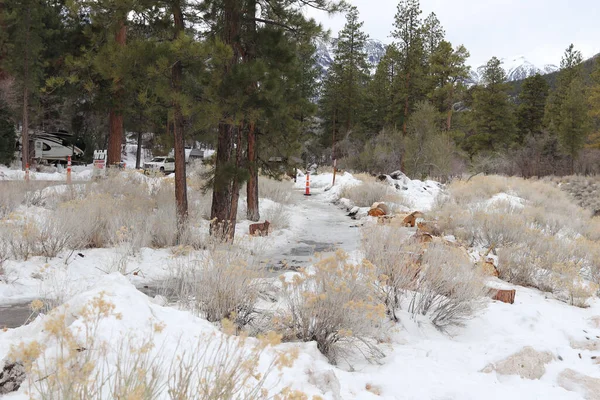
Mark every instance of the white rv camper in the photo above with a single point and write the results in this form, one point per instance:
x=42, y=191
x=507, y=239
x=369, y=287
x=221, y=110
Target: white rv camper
x=53, y=147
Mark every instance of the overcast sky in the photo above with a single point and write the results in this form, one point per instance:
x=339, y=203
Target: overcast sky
x=540, y=30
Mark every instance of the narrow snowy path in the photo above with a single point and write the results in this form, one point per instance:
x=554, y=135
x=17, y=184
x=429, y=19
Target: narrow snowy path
x=319, y=227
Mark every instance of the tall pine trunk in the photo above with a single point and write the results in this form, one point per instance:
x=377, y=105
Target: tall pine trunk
x=25, y=128
x=178, y=126
x=138, y=152
x=115, y=138
x=222, y=187
x=449, y=117
x=252, y=201
x=235, y=191
x=253, y=212
x=223, y=220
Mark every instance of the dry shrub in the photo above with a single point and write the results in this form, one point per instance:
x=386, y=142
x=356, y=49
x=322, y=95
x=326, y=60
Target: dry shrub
x=71, y=362
x=396, y=264
x=448, y=289
x=336, y=306
x=367, y=193
x=279, y=191
x=220, y=283
x=551, y=264
x=278, y=217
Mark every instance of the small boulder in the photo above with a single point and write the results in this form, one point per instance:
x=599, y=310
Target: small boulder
x=527, y=363
x=12, y=376
x=574, y=381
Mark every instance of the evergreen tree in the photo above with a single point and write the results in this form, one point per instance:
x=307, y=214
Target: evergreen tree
x=344, y=89
x=433, y=34
x=492, y=112
x=594, y=92
x=570, y=69
x=8, y=137
x=22, y=44
x=448, y=71
x=408, y=34
x=382, y=107
x=530, y=114
x=567, y=111
x=351, y=57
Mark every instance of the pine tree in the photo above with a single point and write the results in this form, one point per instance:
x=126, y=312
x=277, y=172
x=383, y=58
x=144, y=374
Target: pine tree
x=22, y=44
x=570, y=69
x=433, y=34
x=7, y=136
x=409, y=41
x=594, y=92
x=448, y=71
x=530, y=114
x=382, y=106
x=492, y=112
x=567, y=111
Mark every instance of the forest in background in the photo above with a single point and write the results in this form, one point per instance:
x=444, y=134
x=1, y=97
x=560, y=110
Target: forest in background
x=241, y=76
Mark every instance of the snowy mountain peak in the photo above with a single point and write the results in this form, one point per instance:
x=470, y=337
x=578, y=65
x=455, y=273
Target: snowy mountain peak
x=516, y=68
x=325, y=53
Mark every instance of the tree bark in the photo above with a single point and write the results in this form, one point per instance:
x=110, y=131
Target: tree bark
x=138, y=153
x=178, y=131
x=222, y=187
x=25, y=128
x=449, y=118
x=115, y=138
x=252, y=201
x=223, y=220
x=235, y=192
x=253, y=212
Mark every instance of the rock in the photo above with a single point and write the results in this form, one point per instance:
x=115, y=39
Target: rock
x=489, y=269
x=590, y=345
x=574, y=381
x=379, y=209
x=398, y=176
x=354, y=211
x=376, y=212
x=505, y=296
x=327, y=382
x=411, y=219
x=11, y=377
x=527, y=363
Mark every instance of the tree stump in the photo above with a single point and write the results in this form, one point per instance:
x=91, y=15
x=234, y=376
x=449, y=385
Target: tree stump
x=505, y=296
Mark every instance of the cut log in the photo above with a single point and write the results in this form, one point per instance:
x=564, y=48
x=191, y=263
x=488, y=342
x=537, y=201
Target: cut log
x=376, y=212
x=261, y=229
x=505, y=296
x=411, y=219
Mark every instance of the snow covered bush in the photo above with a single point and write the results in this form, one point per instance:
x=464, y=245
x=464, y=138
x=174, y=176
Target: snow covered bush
x=551, y=264
x=74, y=359
x=395, y=262
x=449, y=290
x=217, y=284
x=369, y=192
x=336, y=305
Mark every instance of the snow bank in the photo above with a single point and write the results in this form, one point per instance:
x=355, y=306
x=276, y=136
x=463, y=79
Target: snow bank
x=420, y=194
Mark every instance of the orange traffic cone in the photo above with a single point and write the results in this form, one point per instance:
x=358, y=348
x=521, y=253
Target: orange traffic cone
x=68, y=170
x=307, y=193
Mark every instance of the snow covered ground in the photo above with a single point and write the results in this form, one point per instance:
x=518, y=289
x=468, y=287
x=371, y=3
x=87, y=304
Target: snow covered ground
x=420, y=362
